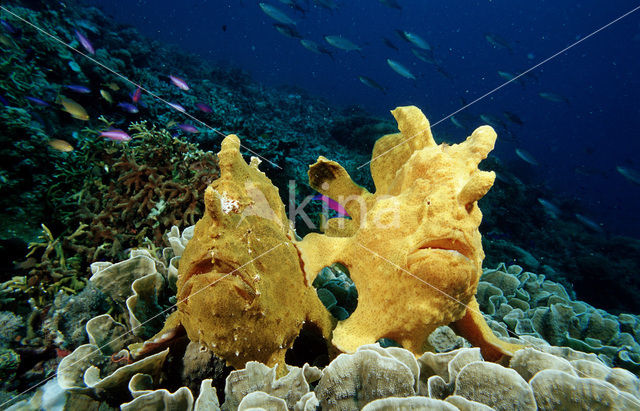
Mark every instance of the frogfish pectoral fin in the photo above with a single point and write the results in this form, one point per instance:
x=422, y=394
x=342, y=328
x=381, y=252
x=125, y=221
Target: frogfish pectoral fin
x=475, y=329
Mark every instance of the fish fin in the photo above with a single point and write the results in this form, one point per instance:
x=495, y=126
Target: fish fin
x=475, y=329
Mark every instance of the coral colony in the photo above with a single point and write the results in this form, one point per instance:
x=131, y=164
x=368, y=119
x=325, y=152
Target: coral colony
x=145, y=271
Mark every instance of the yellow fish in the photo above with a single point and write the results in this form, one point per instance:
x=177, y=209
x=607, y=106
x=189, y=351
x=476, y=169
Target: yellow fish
x=60, y=145
x=73, y=108
x=105, y=95
x=5, y=41
x=113, y=86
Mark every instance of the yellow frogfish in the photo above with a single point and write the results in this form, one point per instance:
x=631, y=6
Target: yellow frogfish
x=412, y=248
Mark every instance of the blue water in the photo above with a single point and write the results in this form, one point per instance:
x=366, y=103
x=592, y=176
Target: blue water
x=577, y=144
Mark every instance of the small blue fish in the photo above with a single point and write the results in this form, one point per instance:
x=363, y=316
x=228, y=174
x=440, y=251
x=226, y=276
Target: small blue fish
x=414, y=39
x=589, y=223
x=342, y=43
x=629, y=173
x=549, y=208
x=3, y=100
x=128, y=107
x=526, y=157
x=400, y=69
x=178, y=107
x=513, y=117
x=276, y=14
x=315, y=47
x=78, y=89
x=37, y=101
x=556, y=98
x=287, y=30
x=371, y=83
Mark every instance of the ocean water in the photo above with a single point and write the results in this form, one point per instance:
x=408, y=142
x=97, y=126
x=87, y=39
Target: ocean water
x=575, y=50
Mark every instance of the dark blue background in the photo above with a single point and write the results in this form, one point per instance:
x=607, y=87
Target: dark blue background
x=578, y=145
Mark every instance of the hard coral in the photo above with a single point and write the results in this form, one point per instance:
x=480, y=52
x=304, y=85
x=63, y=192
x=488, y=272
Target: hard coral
x=131, y=195
x=154, y=183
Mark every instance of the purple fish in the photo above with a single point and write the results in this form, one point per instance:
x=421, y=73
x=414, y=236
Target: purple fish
x=115, y=135
x=188, y=128
x=178, y=82
x=128, y=107
x=204, y=107
x=178, y=107
x=85, y=42
x=78, y=89
x=332, y=204
x=37, y=101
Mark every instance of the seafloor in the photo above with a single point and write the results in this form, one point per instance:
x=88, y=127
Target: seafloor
x=111, y=201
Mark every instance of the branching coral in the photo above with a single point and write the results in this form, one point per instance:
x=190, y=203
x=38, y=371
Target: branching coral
x=141, y=190
x=131, y=194
x=48, y=270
